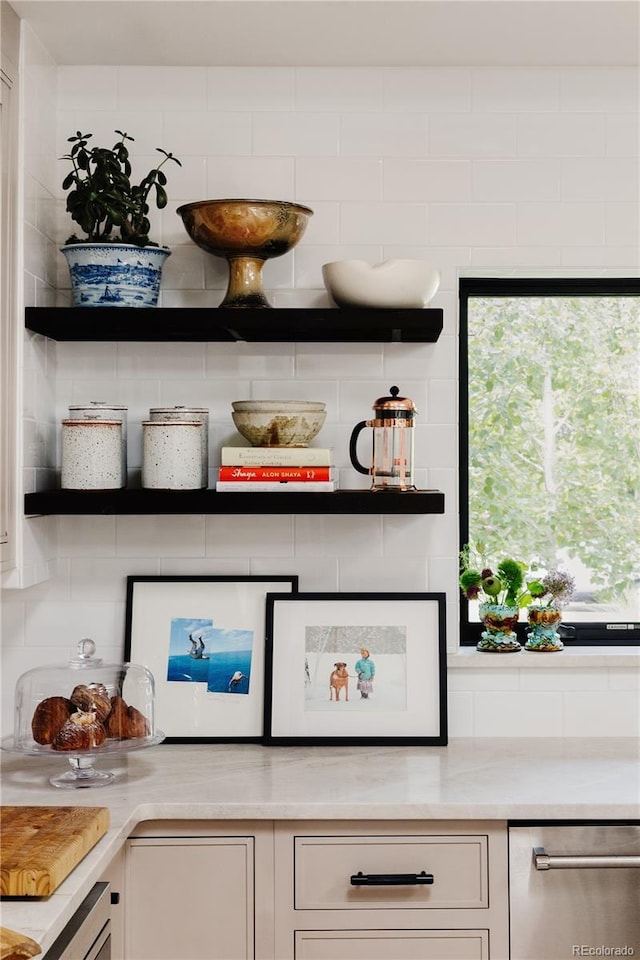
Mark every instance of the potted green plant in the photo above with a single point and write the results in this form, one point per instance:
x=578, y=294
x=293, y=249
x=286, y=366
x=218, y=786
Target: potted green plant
x=549, y=594
x=501, y=592
x=114, y=263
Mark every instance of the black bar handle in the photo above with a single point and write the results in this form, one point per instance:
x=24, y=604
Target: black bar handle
x=361, y=879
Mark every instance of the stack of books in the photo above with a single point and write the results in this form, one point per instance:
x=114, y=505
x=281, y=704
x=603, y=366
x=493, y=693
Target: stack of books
x=276, y=470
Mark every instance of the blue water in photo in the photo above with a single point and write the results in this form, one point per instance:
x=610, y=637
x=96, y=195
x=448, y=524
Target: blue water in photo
x=225, y=665
x=185, y=669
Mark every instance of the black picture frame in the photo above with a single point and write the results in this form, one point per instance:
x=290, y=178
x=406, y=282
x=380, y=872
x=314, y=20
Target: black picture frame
x=196, y=634
x=405, y=636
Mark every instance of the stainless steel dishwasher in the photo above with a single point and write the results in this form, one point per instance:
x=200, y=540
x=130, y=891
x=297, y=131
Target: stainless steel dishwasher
x=574, y=890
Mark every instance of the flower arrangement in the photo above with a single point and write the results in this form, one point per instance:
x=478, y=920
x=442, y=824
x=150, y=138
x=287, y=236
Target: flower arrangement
x=504, y=586
x=555, y=589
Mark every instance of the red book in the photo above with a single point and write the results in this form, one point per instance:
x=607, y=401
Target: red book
x=277, y=474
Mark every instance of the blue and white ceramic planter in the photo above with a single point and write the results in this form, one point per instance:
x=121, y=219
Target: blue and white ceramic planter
x=114, y=274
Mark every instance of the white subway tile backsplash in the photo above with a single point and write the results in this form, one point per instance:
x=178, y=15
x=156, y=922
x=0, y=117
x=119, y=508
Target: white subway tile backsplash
x=427, y=90
x=599, y=179
x=518, y=714
x=384, y=223
x=460, y=710
x=161, y=88
x=477, y=224
x=413, y=180
x=323, y=226
x=169, y=360
x=168, y=536
x=564, y=223
x=308, y=134
x=185, y=268
x=520, y=256
x=622, y=135
x=472, y=169
x=330, y=537
x=250, y=88
x=337, y=89
x=87, y=89
x=562, y=134
x=514, y=90
x=516, y=180
x=357, y=575
x=61, y=625
x=259, y=177
x=608, y=89
x=85, y=536
x=472, y=135
x=336, y=361
x=242, y=361
x=207, y=134
x=613, y=713
x=339, y=178
x=383, y=134
x=248, y=536
x=565, y=680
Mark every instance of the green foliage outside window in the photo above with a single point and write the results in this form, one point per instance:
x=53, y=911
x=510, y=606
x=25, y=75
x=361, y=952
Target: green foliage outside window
x=554, y=437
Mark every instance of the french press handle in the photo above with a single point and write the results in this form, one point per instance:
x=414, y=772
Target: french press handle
x=353, y=443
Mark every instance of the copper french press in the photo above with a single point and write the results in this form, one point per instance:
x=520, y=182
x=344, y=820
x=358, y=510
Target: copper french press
x=392, y=455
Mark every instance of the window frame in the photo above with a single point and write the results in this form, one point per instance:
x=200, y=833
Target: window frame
x=592, y=633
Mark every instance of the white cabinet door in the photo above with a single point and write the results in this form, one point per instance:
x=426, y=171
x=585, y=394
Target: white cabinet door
x=391, y=945
x=190, y=898
x=9, y=32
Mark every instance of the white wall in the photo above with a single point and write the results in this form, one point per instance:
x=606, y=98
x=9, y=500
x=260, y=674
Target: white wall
x=532, y=170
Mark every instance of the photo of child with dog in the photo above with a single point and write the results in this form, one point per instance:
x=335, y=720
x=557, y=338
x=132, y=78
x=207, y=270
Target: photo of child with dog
x=341, y=671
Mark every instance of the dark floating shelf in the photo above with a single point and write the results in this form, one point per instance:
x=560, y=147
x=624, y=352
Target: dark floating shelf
x=216, y=324
x=113, y=502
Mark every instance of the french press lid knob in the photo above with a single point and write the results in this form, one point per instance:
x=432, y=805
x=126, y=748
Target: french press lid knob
x=394, y=402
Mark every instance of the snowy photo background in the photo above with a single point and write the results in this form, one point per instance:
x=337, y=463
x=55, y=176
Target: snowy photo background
x=326, y=645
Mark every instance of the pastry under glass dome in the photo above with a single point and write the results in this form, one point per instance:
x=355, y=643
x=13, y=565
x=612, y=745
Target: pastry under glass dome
x=83, y=710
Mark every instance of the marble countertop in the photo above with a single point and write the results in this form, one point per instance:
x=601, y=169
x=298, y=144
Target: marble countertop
x=471, y=779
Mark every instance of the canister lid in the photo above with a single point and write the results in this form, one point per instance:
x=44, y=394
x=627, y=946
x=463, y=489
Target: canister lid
x=90, y=421
x=172, y=423
x=97, y=405
x=178, y=409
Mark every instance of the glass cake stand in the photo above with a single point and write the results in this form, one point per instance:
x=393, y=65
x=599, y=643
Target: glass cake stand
x=82, y=773
x=84, y=687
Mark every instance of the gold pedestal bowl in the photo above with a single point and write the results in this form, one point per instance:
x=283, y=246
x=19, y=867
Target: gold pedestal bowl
x=245, y=233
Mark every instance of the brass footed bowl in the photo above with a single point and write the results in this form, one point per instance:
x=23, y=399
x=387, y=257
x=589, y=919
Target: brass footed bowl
x=245, y=233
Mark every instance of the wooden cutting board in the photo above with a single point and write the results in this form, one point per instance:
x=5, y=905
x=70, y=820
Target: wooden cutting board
x=40, y=846
x=15, y=946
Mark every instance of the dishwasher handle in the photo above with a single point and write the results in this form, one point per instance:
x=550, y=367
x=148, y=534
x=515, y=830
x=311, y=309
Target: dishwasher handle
x=544, y=861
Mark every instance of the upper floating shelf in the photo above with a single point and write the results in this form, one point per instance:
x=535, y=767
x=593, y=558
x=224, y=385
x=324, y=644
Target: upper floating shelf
x=299, y=324
x=131, y=501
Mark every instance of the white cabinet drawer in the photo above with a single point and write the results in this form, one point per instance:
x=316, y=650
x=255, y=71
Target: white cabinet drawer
x=324, y=867
x=391, y=945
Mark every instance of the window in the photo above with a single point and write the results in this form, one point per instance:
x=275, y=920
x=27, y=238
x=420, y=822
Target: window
x=550, y=439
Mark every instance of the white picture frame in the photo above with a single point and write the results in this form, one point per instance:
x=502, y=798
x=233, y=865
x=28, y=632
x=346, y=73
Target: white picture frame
x=197, y=634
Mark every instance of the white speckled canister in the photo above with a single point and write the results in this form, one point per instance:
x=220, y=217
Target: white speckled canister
x=172, y=454
x=92, y=454
x=98, y=409
x=189, y=413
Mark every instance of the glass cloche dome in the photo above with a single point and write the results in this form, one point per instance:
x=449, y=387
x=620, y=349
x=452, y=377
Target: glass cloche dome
x=82, y=710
